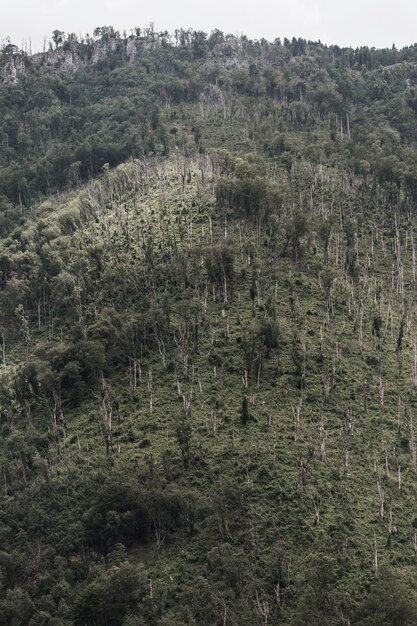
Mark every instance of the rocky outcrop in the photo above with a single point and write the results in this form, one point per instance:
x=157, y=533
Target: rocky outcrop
x=14, y=66
x=57, y=60
x=80, y=55
x=229, y=55
x=12, y=69
x=103, y=49
x=18, y=65
x=131, y=50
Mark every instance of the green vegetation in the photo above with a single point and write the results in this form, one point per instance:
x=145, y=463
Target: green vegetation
x=208, y=334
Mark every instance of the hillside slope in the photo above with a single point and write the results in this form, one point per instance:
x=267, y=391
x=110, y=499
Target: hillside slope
x=209, y=361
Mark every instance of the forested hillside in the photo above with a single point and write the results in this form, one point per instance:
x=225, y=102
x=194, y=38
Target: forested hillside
x=208, y=326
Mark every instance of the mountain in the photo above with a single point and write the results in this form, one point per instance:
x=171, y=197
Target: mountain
x=207, y=332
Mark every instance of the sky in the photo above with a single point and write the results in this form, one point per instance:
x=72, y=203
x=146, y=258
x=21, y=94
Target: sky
x=350, y=23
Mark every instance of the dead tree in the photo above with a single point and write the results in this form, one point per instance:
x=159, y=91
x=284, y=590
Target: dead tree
x=381, y=496
x=150, y=390
x=323, y=438
x=296, y=411
x=106, y=415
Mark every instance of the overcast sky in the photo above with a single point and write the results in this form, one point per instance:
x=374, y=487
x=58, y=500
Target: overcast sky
x=377, y=23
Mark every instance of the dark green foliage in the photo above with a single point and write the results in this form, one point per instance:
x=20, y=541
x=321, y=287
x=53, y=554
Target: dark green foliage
x=317, y=601
x=16, y=607
x=184, y=435
x=111, y=596
x=118, y=513
x=387, y=602
x=245, y=415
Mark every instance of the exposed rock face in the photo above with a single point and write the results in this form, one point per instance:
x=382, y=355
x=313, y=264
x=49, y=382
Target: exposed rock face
x=19, y=65
x=102, y=49
x=131, y=50
x=57, y=60
x=12, y=69
x=229, y=55
x=81, y=55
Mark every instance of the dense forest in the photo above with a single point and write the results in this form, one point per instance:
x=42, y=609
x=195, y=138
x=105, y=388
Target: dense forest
x=208, y=318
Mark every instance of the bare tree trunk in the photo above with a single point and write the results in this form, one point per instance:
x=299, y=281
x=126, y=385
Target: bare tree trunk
x=106, y=415
x=150, y=390
x=296, y=411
